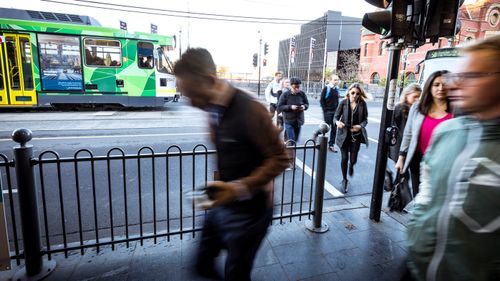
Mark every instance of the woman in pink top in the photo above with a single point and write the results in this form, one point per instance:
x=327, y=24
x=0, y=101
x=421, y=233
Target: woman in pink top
x=423, y=118
x=427, y=128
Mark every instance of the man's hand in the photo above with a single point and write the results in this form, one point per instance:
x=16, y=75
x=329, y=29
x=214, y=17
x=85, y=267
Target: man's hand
x=340, y=124
x=294, y=107
x=225, y=192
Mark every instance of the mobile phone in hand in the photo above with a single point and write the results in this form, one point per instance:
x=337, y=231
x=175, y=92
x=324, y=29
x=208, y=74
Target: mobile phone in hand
x=204, y=197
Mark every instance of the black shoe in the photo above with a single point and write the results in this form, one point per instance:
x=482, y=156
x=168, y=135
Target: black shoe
x=209, y=273
x=351, y=170
x=345, y=185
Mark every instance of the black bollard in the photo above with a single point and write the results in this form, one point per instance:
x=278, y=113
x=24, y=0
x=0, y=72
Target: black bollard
x=317, y=225
x=35, y=267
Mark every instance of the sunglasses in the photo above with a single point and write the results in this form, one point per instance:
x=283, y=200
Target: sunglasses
x=455, y=78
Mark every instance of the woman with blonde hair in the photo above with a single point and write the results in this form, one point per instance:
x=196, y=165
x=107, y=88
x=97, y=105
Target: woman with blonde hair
x=285, y=86
x=409, y=96
x=351, y=119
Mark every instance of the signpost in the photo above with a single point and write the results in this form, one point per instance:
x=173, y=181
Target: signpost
x=154, y=28
x=312, y=45
x=291, y=55
x=123, y=25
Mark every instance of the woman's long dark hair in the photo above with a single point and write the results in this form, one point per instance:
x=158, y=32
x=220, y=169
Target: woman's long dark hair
x=426, y=99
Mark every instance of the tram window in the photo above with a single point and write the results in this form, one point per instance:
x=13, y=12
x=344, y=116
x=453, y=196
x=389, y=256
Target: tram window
x=145, y=55
x=26, y=61
x=164, y=64
x=103, y=52
x=1, y=78
x=12, y=66
x=60, y=62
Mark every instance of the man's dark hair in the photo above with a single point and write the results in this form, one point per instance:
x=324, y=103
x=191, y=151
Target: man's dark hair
x=426, y=99
x=195, y=61
x=295, y=81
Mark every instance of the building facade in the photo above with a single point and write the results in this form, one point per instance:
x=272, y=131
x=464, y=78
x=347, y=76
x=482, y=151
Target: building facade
x=332, y=31
x=478, y=20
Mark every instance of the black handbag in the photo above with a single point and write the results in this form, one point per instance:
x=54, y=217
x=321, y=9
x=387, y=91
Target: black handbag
x=401, y=193
x=388, y=180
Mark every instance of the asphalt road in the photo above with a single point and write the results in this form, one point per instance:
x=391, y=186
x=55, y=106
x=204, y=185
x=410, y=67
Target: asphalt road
x=139, y=192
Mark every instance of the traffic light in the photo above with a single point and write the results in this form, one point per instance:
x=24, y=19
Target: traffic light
x=266, y=49
x=264, y=62
x=391, y=22
x=255, y=59
x=441, y=19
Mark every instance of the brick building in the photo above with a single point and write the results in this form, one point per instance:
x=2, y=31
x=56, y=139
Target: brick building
x=479, y=20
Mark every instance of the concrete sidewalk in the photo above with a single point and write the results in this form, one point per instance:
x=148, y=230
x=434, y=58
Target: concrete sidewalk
x=355, y=248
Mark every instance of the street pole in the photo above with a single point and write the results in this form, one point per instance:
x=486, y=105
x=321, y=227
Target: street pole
x=387, y=111
x=402, y=84
x=289, y=58
x=324, y=65
x=180, y=39
x=260, y=63
x=292, y=45
x=309, y=66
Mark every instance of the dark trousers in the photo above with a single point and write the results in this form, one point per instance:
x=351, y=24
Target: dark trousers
x=349, y=151
x=415, y=171
x=329, y=117
x=272, y=109
x=240, y=233
x=292, y=132
x=279, y=121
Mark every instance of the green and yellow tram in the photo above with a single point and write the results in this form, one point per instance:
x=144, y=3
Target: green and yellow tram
x=44, y=63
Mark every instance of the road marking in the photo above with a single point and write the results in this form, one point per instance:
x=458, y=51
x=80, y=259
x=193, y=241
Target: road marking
x=329, y=187
x=373, y=140
x=6, y=191
x=376, y=120
x=114, y=136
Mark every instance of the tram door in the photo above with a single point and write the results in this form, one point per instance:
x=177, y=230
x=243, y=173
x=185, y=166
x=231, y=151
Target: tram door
x=17, y=83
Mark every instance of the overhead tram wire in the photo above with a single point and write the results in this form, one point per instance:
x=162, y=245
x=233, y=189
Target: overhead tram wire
x=235, y=19
x=207, y=17
x=204, y=14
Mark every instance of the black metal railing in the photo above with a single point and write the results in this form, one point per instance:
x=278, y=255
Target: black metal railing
x=91, y=201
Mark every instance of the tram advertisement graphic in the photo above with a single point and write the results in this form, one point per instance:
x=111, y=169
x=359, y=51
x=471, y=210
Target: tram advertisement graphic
x=60, y=62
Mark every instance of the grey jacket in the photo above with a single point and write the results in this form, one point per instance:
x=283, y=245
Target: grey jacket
x=341, y=115
x=412, y=133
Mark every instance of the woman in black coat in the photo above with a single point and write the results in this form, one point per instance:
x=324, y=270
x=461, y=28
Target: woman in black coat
x=351, y=119
x=409, y=96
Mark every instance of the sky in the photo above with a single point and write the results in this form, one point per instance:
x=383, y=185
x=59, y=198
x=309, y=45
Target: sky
x=232, y=44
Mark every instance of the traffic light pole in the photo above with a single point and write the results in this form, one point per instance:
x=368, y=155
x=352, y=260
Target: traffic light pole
x=260, y=63
x=387, y=111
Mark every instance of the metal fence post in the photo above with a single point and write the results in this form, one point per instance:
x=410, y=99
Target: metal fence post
x=316, y=224
x=35, y=267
